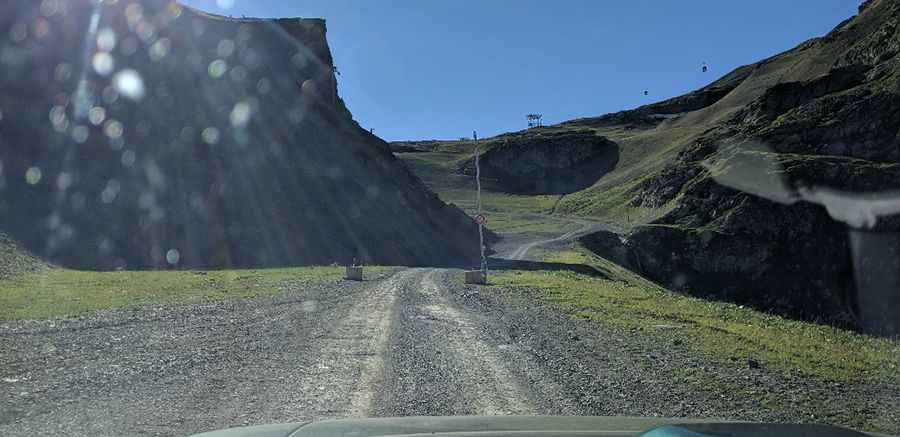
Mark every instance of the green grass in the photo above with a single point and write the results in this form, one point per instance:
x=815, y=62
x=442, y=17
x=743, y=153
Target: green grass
x=63, y=293
x=507, y=213
x=643, y=152
x=720, y=330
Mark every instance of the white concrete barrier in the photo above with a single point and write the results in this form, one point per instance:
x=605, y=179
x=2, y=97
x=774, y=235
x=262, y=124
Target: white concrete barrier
x=476, y=277
x=354, y=273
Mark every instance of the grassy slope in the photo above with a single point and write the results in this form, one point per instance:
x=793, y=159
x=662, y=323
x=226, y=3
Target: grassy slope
x=725, y=333
x=506, y=213
x=718, y=329
x=59, y=292
x=721, y=330
x=643, y=152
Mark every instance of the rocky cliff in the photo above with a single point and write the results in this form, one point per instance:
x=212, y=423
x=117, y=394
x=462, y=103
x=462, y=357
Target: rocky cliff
x=825, y=114
x=544, y=161
x=145, y=134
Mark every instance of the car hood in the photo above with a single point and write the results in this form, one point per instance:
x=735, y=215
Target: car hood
x=531, y=426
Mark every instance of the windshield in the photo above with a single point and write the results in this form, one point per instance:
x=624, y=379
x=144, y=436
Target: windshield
x=226, y=213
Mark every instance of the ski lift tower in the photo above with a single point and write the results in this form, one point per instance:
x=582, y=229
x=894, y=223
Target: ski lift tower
x=535, y=120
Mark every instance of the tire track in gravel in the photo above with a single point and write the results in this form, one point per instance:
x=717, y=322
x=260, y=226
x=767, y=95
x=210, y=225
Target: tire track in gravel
x=444, y=361
x=352, y=362
x=312, y=353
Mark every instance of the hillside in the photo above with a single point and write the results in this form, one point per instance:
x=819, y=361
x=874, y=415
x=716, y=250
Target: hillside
x=145, y=134
x=825, y=114
x=822, y=118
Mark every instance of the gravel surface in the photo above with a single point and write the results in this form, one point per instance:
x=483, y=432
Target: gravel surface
x=180, y=370
x=605, y=371
x=416, y=342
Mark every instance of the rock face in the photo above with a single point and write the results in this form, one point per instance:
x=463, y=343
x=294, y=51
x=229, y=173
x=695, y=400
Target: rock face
x=835, y=123
x=540, y=161
x=145, y=134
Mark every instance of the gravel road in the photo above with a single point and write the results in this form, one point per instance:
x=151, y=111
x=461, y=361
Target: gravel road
x=414, y=342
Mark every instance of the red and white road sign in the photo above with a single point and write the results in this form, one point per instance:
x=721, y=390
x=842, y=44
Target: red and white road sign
x=481, y=219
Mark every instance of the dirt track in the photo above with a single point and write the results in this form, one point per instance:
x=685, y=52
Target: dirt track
x=416, y=342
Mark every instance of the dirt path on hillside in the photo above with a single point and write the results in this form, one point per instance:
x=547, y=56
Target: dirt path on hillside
x=521, y=251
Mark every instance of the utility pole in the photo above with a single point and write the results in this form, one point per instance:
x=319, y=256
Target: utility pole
x=480, y=216
x=478, y=276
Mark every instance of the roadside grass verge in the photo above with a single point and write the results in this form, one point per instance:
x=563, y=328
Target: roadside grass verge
x=723, y=331
x=58, y=292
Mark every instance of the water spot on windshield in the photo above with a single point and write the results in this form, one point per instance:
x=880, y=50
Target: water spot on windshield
x=154, y=175
x=103, y=63
x=64, y=180
x=50, y=8
x=173, y=256
x=146, y=31
x=97, y=115
x=210, y=135
x=240, y=115
x=80, y=134
x=113, y=129
x=238, y=74
x=111, y=191
x=58, y=118
x=128, y=158
x=264, y=86
x=106, y=40
x=40, y=28
x=134, y=13
x=174, y=10
x=160, y=49
x=225, y=48
x=63, y=72
x=129, y=84
x=33, y=175
x=217, y=68
x=19, y=32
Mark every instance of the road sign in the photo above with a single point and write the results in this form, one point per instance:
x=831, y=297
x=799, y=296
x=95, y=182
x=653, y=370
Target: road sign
x=481, y=219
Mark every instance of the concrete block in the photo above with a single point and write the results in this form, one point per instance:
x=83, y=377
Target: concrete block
x=354, y=273
x=476, y=277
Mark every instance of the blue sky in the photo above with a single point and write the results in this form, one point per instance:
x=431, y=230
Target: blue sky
x=423, y=69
